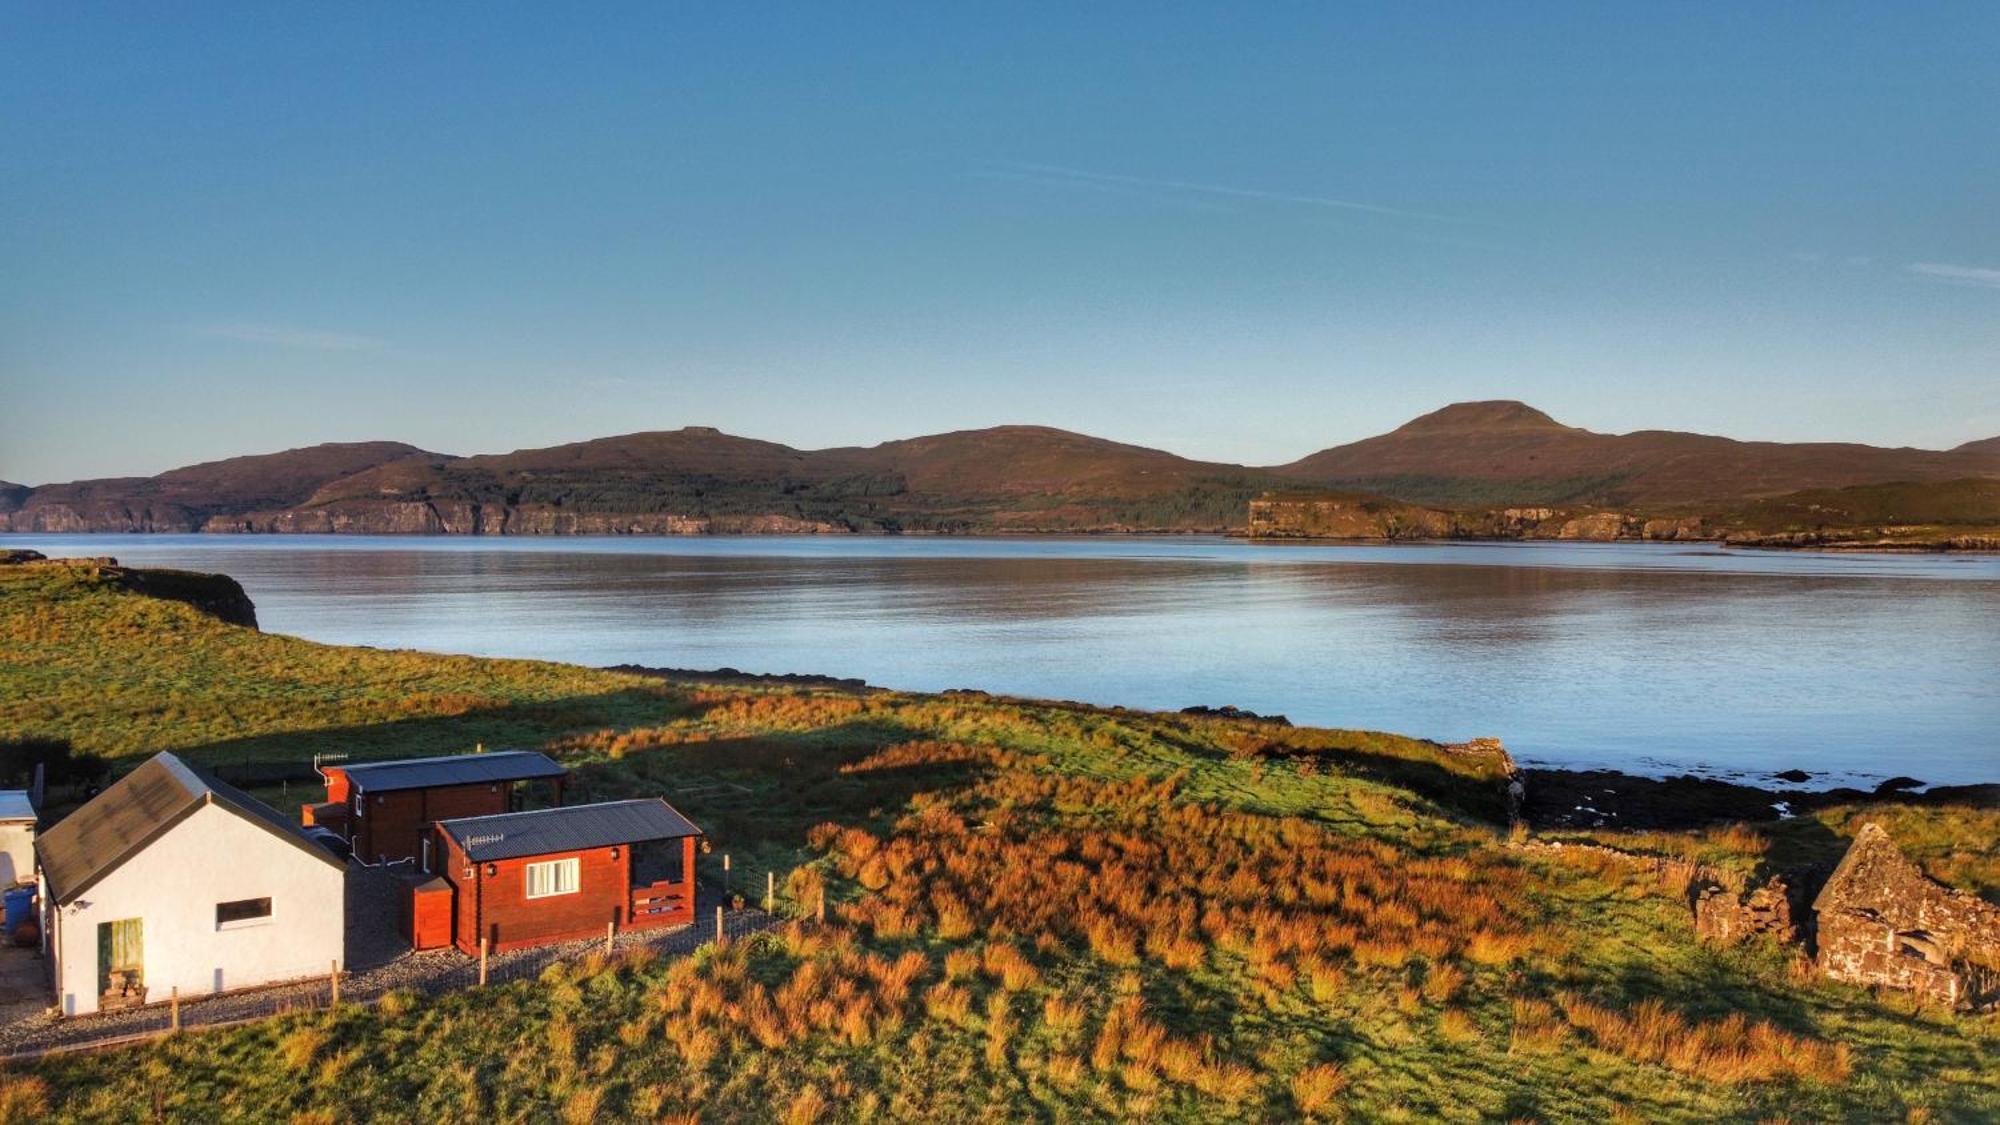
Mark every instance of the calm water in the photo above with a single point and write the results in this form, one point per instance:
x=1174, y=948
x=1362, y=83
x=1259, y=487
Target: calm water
x=1644, y=657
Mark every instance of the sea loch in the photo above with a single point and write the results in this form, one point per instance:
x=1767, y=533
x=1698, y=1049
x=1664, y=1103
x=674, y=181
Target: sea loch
x=1648, y=658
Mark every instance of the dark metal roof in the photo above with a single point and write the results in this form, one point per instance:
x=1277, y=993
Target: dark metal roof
x=139, y=808
x=455, y=769
x=574, y=828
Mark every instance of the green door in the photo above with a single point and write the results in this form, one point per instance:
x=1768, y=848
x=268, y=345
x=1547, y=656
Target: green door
x=121, y=950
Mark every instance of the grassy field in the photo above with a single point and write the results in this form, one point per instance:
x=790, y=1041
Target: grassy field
x=1036, y=911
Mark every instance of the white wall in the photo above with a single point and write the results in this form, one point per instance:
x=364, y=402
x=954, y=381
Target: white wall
x=212, y=856
x=17, y=853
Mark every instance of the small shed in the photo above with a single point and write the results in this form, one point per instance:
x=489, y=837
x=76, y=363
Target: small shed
x=550, y=875
x=385, y=809
x=17, y=837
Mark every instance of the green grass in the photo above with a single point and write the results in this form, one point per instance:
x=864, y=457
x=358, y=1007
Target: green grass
x=1973, y=503
x=1355, y=935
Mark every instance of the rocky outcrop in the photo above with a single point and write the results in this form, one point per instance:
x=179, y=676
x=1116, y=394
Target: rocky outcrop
x=1883, y=923
x=1376, y=518
x=1601, y=526
x=217, y=595
x=1685, y=527
x=1346, y=517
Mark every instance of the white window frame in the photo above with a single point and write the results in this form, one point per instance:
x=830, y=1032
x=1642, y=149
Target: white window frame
x=565, y=877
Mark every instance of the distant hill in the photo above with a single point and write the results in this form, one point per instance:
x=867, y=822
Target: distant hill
x=1983, y=445
x=183, y=499
x=698, y=480
x=701, y=480
x=1485, y=453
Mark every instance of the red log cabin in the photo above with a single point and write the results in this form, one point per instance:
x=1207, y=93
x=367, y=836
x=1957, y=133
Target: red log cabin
x=385, y=809
x=549, y=875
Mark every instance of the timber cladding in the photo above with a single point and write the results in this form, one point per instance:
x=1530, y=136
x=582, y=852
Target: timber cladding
x=493, y=898
x=392, y=824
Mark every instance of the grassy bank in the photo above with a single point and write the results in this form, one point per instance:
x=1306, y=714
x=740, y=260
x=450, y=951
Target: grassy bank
x=1037, y=910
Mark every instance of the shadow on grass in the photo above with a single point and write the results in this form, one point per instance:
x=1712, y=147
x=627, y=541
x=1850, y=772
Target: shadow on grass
x=267, y=759
x=1459, y=795
x=771, y=790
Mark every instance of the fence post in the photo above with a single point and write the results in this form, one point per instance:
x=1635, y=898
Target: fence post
x=770, y=889
x=822, y=904
x=174, y=1004
x=336, y=982
x=482, y=962
x=718, y=925
x=610, y=928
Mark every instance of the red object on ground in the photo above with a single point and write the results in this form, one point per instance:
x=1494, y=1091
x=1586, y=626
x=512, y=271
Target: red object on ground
x=428, y=921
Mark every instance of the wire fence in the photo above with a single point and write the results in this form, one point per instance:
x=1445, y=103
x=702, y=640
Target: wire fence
x=431, y=974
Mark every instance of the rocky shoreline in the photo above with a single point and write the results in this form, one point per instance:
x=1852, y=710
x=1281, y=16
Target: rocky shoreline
x=1558, y=798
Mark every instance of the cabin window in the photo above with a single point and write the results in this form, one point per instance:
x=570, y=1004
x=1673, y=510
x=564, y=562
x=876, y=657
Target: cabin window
x=554, y=877
x=242, y=912
x=357, y=806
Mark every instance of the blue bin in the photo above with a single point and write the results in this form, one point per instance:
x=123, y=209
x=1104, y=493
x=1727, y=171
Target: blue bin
x=20, y=906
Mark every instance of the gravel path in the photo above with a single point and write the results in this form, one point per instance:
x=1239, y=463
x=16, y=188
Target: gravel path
x=381, y=961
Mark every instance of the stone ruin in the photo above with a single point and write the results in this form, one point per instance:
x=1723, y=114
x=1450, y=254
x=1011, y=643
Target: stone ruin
x=1725, y=915
x=1882, y=922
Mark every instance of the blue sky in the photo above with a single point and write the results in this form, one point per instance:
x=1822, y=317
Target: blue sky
x=1241, y=232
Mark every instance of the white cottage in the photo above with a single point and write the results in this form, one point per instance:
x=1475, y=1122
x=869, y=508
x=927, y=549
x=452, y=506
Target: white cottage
x=17, y=838
x=172, y=880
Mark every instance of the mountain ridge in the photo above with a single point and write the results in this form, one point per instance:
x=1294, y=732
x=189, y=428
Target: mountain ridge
x=698, y=479
x=1505, y=452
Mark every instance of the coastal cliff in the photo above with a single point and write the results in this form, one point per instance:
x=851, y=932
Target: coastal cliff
x=1375, y=518
x=1950, y=516
x=445, y=517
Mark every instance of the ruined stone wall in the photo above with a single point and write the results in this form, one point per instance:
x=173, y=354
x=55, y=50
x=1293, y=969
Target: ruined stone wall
x=1722, y=914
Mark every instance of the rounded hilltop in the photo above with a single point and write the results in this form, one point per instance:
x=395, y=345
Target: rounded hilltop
x=1490, y=415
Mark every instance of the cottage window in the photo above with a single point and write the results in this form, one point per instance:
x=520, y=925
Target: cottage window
x=242, y=912
x=554, y=877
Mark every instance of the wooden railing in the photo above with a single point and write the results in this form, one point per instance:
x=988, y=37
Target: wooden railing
x=664, y=897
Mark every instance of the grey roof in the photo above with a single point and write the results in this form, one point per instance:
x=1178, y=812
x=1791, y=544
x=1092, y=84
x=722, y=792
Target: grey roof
x=573, y=828
x=15, y=806
x=454, y=769
x=139, y=808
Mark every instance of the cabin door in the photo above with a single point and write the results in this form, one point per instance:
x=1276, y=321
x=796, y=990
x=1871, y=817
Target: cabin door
x=121, y=959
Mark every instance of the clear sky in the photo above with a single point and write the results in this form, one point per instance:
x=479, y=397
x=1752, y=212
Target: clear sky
x=1241, y=232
